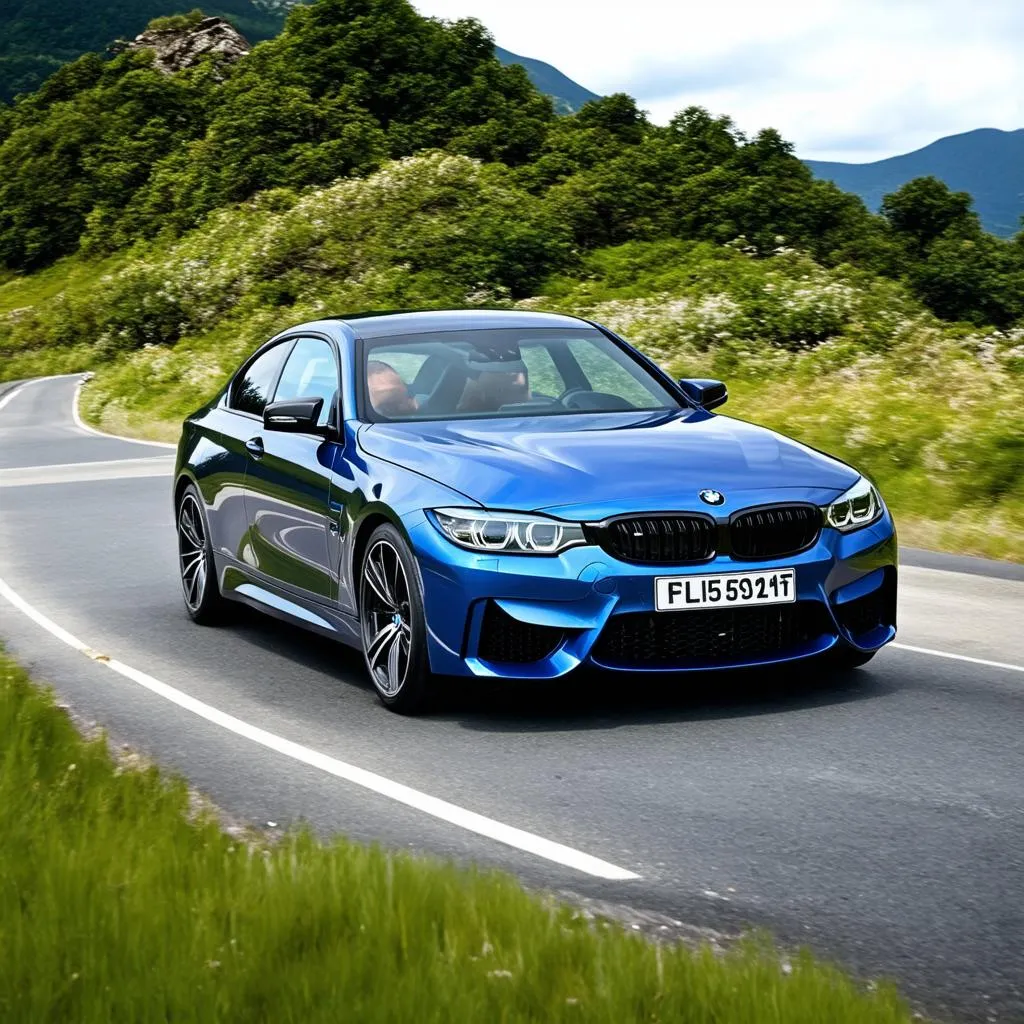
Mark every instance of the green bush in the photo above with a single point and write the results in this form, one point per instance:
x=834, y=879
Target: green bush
x=836, y=357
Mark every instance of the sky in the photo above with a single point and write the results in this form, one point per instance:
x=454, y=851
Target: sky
x=851, y=80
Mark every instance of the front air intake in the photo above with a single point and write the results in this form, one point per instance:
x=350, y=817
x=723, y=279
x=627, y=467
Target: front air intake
x=709, y=636
x=505, y=639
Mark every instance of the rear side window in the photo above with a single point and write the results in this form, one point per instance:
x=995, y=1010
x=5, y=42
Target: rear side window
x=311, y=372
x=252, y=386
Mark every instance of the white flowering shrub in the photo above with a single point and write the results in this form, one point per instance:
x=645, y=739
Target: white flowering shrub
x=843, y=360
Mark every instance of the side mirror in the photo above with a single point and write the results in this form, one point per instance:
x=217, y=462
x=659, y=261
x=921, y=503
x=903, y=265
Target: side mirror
x=705, y=394
x=298, y=416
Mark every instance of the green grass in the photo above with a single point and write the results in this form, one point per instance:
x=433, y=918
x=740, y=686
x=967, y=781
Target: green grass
x=74, y=276
x=118, y=902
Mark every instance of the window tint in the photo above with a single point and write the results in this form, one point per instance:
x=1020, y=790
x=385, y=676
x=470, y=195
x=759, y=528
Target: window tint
x=506, y=372
x=251, y=388
x=311, y=372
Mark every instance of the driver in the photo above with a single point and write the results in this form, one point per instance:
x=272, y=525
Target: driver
x=492, y=389
x=500, y=378
x=388, y=394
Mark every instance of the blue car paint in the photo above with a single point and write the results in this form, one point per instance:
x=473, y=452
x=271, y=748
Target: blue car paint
x=575, y=466
x=582, y=467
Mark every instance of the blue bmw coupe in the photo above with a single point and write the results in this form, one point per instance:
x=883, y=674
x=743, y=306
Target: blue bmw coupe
x=513, y=495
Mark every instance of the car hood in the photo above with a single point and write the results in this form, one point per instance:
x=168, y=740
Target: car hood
x=589, y=466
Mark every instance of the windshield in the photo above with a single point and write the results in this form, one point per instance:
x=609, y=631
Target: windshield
x=491, y=373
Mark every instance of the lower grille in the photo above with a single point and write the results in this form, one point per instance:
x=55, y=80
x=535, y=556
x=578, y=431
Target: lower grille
x=503, y=638
x=707, y=636
x=671, y=539
x=866, y=613
x=774, y=531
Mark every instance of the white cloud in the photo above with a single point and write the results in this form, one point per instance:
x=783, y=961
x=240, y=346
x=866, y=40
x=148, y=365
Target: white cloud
x=842, y=79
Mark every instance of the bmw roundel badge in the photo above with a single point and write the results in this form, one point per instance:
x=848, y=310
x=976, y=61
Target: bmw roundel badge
x=711, y=497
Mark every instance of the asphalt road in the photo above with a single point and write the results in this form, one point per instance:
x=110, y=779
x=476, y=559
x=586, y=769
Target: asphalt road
x=876, y=816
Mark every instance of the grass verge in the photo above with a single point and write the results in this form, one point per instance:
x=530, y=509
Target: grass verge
x=118, y=902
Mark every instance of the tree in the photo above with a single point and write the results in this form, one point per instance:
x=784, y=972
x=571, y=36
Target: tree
x=979, y=279
x=617, y=115
x=77, y=152
x=924, y=209
x=708, y=141
x=108, y=151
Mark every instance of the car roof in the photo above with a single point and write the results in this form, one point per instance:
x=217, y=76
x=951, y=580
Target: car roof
x=384, y=324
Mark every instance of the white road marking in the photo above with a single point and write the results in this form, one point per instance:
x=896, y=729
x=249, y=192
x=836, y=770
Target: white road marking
x=958, y=657
x=141, y=460
x=469, y=820
x=77, y=472
x=453, y=814
x=21, y=387
x=13, y=393
x=82, y=425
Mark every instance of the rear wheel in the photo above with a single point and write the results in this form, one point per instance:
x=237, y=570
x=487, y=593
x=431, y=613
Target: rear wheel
x=393, y=624
x=203, y=600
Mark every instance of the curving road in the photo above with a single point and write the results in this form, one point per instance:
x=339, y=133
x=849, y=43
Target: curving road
x=876, y=816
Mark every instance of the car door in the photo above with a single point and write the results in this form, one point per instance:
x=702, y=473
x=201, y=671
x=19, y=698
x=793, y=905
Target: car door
x=288, y=479
x=220, y=458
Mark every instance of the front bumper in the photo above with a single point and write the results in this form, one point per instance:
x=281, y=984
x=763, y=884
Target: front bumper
x=540, y=617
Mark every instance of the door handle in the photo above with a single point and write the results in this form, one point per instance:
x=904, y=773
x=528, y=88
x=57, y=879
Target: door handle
x=254, y=446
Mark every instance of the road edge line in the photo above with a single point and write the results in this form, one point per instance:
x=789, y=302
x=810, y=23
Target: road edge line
x=957, y=657
x=82, y=425
x=471, y=821
x=21, y=385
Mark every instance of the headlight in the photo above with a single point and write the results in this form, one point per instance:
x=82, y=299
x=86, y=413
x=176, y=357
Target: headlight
x=858, y=507
x=515, y=533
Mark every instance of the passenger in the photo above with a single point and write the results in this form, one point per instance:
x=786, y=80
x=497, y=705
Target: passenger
x=388, y=394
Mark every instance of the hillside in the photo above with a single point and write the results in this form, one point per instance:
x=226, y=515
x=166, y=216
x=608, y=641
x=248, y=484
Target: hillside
x=370, y=158
x=987, y=163
x=568, y=95
x=38, y=36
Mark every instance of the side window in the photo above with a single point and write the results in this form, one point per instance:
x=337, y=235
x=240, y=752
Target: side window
x=251, y=388
x=311, y=372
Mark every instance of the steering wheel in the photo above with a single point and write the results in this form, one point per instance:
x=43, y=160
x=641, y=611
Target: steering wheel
x=563, y=398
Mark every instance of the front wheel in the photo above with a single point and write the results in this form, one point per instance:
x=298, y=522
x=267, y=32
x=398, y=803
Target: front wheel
x=393, y=624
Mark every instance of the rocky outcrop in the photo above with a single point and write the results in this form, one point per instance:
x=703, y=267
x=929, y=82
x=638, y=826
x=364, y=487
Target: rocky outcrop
x=180, y=48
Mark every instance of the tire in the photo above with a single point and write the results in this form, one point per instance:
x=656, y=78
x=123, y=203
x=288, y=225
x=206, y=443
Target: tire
x=846, y=658
x=203, y=600
x=393, y=624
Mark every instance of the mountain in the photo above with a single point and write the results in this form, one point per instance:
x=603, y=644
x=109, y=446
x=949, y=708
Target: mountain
x=987, y=163
x=568, y=95
x=37, y=36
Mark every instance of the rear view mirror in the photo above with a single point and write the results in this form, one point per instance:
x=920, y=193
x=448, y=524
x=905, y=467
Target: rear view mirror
x=297, y=416
x=705, y=394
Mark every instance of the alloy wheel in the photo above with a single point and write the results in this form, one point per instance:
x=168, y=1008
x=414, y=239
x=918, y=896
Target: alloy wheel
x=386, y=616
x=192, y=554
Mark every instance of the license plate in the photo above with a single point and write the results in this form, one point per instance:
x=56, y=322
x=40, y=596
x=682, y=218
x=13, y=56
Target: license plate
x=728, y=590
